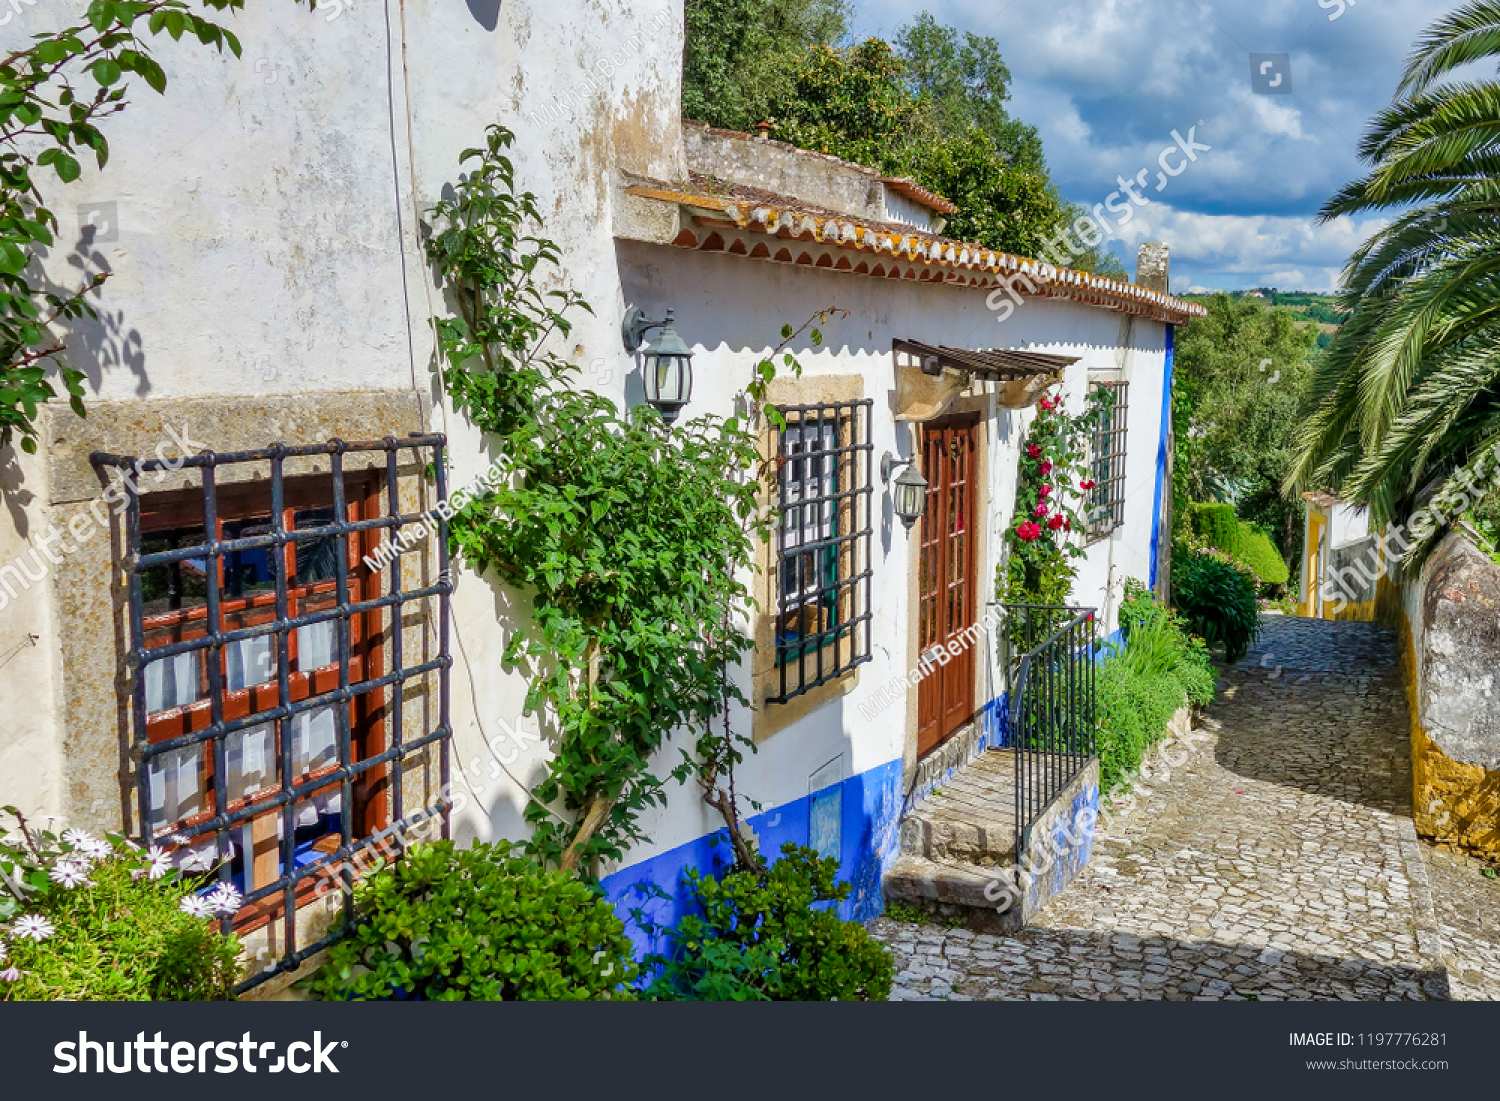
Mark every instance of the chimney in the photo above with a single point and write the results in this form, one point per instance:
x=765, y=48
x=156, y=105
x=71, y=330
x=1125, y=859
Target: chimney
x=1153, y=267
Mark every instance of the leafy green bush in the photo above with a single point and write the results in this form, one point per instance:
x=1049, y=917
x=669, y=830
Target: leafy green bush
x=480, y=924
x=1133, y=713
x=1216, y=598
x=1139, y=688
x=1256, y=550
x=760, y=938
x=1217, y=526
x=85, y=919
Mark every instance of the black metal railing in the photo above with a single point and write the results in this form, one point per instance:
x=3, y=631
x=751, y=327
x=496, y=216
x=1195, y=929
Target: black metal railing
x=1049, y=655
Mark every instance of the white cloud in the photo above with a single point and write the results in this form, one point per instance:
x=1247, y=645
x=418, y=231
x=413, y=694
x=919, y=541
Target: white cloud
x=1106, y=82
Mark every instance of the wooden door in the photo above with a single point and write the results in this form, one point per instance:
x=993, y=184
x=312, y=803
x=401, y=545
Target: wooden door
x=945, y=696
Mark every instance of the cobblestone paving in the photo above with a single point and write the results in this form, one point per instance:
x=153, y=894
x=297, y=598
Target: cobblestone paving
x=1468, y=913
x=1277, y=862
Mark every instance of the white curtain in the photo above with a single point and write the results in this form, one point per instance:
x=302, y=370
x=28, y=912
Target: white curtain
x=315, y=644
x=251, y=661
x=171, y=682
x=314, y=739
x=173, y=789
x=250, y=756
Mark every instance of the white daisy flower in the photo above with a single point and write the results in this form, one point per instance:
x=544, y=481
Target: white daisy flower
x=10, y=974
x=158, y=862
x=225, y=900
x=94, y=849
x=70, y=874
x=78, y=838
x=197, y=907
x=33, y=927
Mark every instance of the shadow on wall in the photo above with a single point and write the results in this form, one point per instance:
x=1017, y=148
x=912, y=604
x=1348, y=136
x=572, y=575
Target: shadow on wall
x=98, y=343
x=486, y=13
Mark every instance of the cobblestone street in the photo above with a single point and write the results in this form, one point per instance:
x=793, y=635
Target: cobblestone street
x=1278, y=861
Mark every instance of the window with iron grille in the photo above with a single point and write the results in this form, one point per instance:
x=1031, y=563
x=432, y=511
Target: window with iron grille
x=824, y=495
x=1106, y=501
x=272, y=646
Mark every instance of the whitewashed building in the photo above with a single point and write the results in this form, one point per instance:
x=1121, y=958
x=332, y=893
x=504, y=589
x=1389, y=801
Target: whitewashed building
x=260, y=222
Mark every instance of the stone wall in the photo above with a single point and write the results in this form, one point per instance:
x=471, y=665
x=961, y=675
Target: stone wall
x=1449, y=621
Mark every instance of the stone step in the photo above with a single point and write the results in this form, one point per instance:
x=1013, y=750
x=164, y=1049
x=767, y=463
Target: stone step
x=973, y=893
x=970, y=818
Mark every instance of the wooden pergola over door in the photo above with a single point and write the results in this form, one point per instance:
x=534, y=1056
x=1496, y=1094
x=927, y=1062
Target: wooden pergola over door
x=945, y=697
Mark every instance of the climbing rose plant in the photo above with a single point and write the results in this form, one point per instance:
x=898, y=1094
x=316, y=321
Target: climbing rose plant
x=1053, y=482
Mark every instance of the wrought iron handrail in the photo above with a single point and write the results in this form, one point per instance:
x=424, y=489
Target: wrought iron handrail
x=1051, y=711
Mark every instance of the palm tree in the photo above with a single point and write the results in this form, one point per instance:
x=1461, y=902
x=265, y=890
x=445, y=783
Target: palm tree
x=1409, y=390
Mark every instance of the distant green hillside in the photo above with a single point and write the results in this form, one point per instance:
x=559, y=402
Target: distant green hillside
x=1319, y=310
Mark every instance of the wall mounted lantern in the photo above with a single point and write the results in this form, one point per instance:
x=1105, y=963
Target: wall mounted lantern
x=666, y=363
x=909, y=494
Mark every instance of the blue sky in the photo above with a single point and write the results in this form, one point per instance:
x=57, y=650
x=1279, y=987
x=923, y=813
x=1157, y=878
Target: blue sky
x=1107, y=81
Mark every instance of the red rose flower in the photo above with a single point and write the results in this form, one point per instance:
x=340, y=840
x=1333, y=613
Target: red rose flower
x=1044, y=491
x=1056, y=522
x=1034, y=451
x=1041, y=509
x=1028, y=532
x=1087, y=483
x=1067, y=525
x=1046, y=467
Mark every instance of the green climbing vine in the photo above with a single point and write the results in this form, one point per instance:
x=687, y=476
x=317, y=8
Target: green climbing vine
x=53, y=94
x=632, y=540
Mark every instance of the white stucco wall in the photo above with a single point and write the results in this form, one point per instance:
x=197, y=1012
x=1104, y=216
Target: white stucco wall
x=265, y=222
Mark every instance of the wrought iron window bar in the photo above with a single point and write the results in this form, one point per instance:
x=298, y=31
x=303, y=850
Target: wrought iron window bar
x=843, y=592
x=1106, y=504
x=340, y=862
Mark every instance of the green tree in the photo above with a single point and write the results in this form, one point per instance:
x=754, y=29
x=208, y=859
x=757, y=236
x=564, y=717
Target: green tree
x=964, y=84
x=1241, y=372
x=1409, y=390
x=740, y=55
x=930, y=106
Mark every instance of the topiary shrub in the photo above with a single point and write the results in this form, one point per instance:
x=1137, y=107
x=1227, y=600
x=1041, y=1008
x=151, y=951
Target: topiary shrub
x=1216, y=598
x=1256, y=550
x=480, y=924
x=1216, y=525
x=772, y=937
x=90, y=919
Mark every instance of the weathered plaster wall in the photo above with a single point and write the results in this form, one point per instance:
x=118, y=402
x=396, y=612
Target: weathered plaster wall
x=813, y=178
x=1449, y=620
